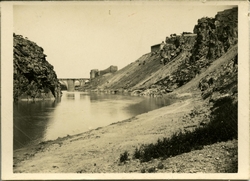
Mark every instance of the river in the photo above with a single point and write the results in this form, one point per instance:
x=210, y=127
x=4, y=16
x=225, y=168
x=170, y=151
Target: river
x=74, y=113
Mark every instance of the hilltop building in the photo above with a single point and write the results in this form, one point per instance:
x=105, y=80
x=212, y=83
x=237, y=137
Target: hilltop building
x=157, y=47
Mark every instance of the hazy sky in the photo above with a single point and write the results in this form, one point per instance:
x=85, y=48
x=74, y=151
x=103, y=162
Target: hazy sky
x=77, y=38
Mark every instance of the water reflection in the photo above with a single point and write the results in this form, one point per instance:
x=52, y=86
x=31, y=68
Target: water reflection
x=77, y=112
x=148, y=104
x=30, y=120
x=70, y=96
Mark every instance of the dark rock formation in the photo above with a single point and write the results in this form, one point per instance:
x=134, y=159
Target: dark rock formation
x=33, y=75
x=175, y=44
x=215, y=36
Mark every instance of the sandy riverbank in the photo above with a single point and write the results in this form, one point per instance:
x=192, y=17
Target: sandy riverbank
x=99, y=150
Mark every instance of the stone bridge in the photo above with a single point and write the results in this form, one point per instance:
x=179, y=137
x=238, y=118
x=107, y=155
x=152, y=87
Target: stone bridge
x=70, y=83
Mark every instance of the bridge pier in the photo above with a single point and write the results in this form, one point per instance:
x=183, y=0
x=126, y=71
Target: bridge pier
x=82, y=82
x=71, y=85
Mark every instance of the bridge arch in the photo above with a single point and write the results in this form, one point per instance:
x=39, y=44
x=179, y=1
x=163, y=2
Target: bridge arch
x=71, y=83
x=77, y=83
x=64, y=85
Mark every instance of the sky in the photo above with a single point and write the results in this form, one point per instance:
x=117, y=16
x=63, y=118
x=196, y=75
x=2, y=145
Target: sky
x=79, y=37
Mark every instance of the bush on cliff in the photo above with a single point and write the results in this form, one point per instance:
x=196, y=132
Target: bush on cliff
x=33, y=75
x=124, y=157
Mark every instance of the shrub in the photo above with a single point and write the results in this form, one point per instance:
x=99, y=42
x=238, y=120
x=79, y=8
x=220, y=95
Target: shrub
x=143, y=170
x=137, y=153
x=124, y=157
x=151, y=170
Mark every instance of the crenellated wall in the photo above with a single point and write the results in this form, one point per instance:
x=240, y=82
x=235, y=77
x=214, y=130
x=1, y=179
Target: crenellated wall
x=95, y=72
x=157, y=47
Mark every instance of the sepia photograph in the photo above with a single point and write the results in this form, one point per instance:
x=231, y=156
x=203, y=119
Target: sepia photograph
x=126, y=88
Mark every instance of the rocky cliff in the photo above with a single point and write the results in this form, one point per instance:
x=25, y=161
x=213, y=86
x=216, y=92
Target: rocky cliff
x=34, y=76
x=215, y=36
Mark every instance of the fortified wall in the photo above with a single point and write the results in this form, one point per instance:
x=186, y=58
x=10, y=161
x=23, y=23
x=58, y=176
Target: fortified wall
x=95, y=72
x=157, y=47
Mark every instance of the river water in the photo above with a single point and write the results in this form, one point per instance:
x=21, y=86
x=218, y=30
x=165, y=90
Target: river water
x=75, y=113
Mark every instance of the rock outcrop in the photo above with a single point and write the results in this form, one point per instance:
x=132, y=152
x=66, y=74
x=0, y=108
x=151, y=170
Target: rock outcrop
x=174, y=45
x=34, y=76
x=215, y=36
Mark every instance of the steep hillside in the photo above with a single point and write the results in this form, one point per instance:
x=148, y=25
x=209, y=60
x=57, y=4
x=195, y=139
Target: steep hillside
x=143, y=72
x=182, y=59
x=34, y=77
x=212, y=72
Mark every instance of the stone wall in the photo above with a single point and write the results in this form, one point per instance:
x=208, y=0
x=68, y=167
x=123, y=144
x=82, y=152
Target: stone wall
x=95, y=72
x=155, y=48
x=111, y=69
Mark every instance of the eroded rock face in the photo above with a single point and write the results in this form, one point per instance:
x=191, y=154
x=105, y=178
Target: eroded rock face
x=222, y=82
x=216, y=35
x=33, y=74
x=175, y=44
